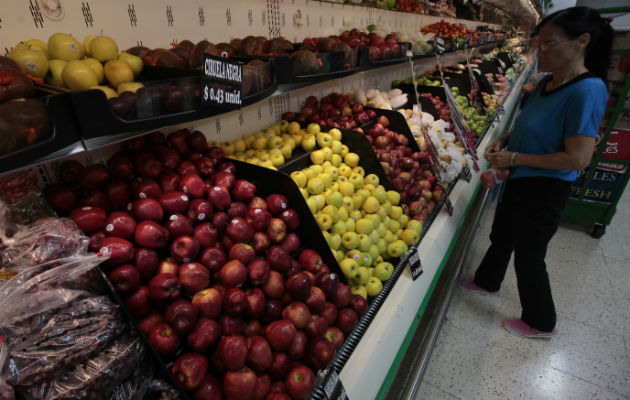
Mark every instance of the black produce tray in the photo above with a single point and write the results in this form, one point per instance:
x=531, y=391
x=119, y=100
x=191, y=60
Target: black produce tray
x=489, y=67
x=96, y=118
x=357, y=143
x=426, y=104
x=367, y=63
x=505, y=57
x=64, y=132
x=397, y=123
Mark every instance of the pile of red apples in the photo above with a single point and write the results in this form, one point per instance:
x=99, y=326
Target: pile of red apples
x=215, y=275
x=334, y=110
x=409, y=172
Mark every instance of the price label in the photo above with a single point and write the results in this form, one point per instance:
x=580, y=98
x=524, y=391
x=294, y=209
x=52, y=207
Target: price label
x=466, y=174
x=449, y=205
x=439, y=45
x=333, y=388
x=222, y=82
x=415, y=264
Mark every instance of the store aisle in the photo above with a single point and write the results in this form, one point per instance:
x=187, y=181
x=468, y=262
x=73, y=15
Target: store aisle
x=476, y=358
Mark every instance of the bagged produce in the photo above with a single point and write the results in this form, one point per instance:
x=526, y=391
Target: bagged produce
x=96, y=377
x=135, y=386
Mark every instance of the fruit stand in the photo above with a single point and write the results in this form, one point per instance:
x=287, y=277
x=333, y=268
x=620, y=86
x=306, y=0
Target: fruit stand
x=248, y=249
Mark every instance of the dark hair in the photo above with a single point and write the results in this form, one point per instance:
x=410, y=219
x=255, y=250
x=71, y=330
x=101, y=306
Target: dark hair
x=575, y=21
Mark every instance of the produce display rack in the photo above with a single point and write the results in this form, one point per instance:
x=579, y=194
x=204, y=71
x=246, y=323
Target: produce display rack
x=600, y=214
x=395, y=306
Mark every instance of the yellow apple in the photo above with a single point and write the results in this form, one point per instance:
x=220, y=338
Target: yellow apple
x=55, y=68
x=351, y=160
x=317, y=157
x=293, y=128
x=370, y=205
x=103, y=48
x=97, y=67
x=396, y=248
x=363, y=275
x=383, y=271
x=64, y=47
x=349, y=267
x=360, y=290
x=373, y=286
x=77, y=75
x=350, y=240
x=324, y=221
x=410, y=236
x=320, y=201
x=86, y=44
x=109, y=92
x=117, y=72
x=335, y=133
x=134, y=62
x=299, y=178
x=313, y=129
x=315, y=186
x=33, y=62
x=33, y=44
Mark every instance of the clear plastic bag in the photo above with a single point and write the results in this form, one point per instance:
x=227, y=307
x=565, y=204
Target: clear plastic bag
x=494, y=176
x=136, y=385
x=44, y=240
x=94, y=378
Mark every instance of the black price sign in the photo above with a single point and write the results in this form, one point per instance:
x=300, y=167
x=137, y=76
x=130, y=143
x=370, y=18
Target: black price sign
x=222, y=82
x=334, y=388
x=439, y=45
x=467, y=42
x=414, y=263
x=449, y=205
x=466, y=174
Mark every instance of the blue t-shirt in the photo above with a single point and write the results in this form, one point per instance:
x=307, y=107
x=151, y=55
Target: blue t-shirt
x=577, y=107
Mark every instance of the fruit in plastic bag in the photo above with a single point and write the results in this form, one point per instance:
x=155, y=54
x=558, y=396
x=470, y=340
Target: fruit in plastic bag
x=494, y=176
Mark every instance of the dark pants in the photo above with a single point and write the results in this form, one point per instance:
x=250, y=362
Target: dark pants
x=526, y=218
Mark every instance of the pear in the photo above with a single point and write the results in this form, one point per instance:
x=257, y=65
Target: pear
x=97, y=67
x=55, y=68
x=109, y=92
x=103, y=48
x=64, y=47
x=77, y=75
x=134, y=62
x=33, y=62
x=129, y=87
x=117, y=72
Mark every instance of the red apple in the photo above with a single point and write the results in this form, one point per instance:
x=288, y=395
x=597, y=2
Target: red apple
x=316, y=301
x=242, y=252
x=280, y=334
x=298, y=313
x=259, y=356
x=256, y=302
x=335, y=336
x=120, y=167
x=234, y=302
x=233, y=352
x=209, y=302
x=291, y=243
x=273, y=311
x=147, y=165
x=220, y=197
x=118, y=195
x=278, y=258
x=89, y=219
x=310, y=260
x=258, y=271
x=205, y=234
x=253, y=328
x=147, y=209
x=280, y=366
x=184, y=248
x=200, y=210
x=243, y=190
x=342, y=296
x=147, y=188
x=224, y=179
x=258, y=218
x=120, y=250
x=181, y=315
x=164, y=340
x=300, y=382
x=187, y=167
x=125, y=278
x=237, y=209
x=231, y=325
x=297, y=349
x=179, y=225
x=168, y=266
x=139, y=303
x=320, y=352
x=274, y=287
x=233, y=273
x=358, y=304
x=189, y=370
x=194, y=276
x=149, y=322
x=213, y=259
x=299, y=286
x=347, y=319
x=327, y=282
x=164, y=288
x=205, y=334
x=276, y=230
x=174, y=202
x=317, y=326
x=209, y=389
x=61, y=198
x=93, y=177
x=151, y=234
x=239, y=385
x=276, y=204
x=146, y=262
x=239, y=230
x=330, y=313
x=193, y=185
x=178, y=141
x=261, y=242
x=263, y=385
x=291, y=218
x=220, y=221
x=169, y=157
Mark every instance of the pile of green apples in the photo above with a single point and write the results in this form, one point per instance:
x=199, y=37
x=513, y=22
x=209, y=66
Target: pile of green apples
x=477, y=122
x=65, y=62
x=361, y=221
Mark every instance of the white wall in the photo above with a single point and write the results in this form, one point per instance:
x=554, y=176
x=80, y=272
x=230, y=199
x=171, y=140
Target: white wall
x=560, y=5
x=620, y=22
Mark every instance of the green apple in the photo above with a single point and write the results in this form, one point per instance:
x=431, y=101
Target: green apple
x=363, y=274
x=358, y=170
x=383, y=271
x=33, y=44
x=339, y=227
x=348, y=204
x=320, y=201
x=364, y=242
x=404, y=219
x=324, y=221
x=77, y=75
x=336, y=146
x=335, y=241
x=317, y=157
x=350, y=240
x=410, y=236
x=382, y=246
x=336, y=160
x=333, y=171
x=380, y=194
x=275, y=142
x=360, y=290
x=55, y=68
x=382, y=230
x=286, y=150
x=373, y=286
x=64, y=47
x=357, y=200
x=342, y=214
x=366, y=259
x=304, y=193
x=109, y=92
x=331, y=211
x=344, y=151
x=315, y=186
x=396, y=248
x=345, y=170
x=374, y=252
x=117, y=72
x=349, y=267
x=103, y=48
x=354, y=254
x=97, y=67
x=33, y=62
x=350, y=224
x=346, y=188
x=355, y=215
x=312, y=204
x=335, y=199
x=134, y=62
x=277, y=160
x=339, y=255
x=394, y=225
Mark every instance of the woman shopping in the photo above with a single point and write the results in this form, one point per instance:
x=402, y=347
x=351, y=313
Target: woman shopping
x=553, y=137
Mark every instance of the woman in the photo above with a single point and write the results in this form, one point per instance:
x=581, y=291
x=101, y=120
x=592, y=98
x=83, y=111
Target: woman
x=553, y=137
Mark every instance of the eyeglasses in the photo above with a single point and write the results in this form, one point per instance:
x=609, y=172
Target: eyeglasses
x=546, y=45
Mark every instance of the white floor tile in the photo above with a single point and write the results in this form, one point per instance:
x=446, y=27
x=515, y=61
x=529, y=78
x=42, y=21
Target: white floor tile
x=429, y=392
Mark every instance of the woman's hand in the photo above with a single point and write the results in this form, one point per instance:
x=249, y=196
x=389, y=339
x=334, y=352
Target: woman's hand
x=493, y=148
x=501, y=159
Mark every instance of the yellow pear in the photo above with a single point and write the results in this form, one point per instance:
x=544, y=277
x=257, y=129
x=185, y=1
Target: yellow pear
x=117, y=72
x=86, y=44
x=77, y=75
x=97, y=67
x=55, y=68
x=64, y=47
x=33, y=62
x=109, y=92
x=103, y=48
x=134, y=62
x=129, y=87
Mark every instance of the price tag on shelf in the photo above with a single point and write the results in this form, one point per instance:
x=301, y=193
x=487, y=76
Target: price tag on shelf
x=467, y=42
x=414, y=263
x=439, y=45
x=448, y=204
x=466, y=174
x=333, y=388
x=222, y=82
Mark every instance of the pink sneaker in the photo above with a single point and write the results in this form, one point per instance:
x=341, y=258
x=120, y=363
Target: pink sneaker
x=520, y=328
x=473, y=287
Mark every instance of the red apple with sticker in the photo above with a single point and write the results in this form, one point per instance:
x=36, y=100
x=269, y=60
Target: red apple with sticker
x=258, y=218
x=147, y=188
x=184, y=248
x=239, y=230
x=120, y=250
x=224, y=179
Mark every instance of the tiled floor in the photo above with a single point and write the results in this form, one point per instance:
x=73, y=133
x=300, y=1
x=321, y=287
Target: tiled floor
x=476, y=358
